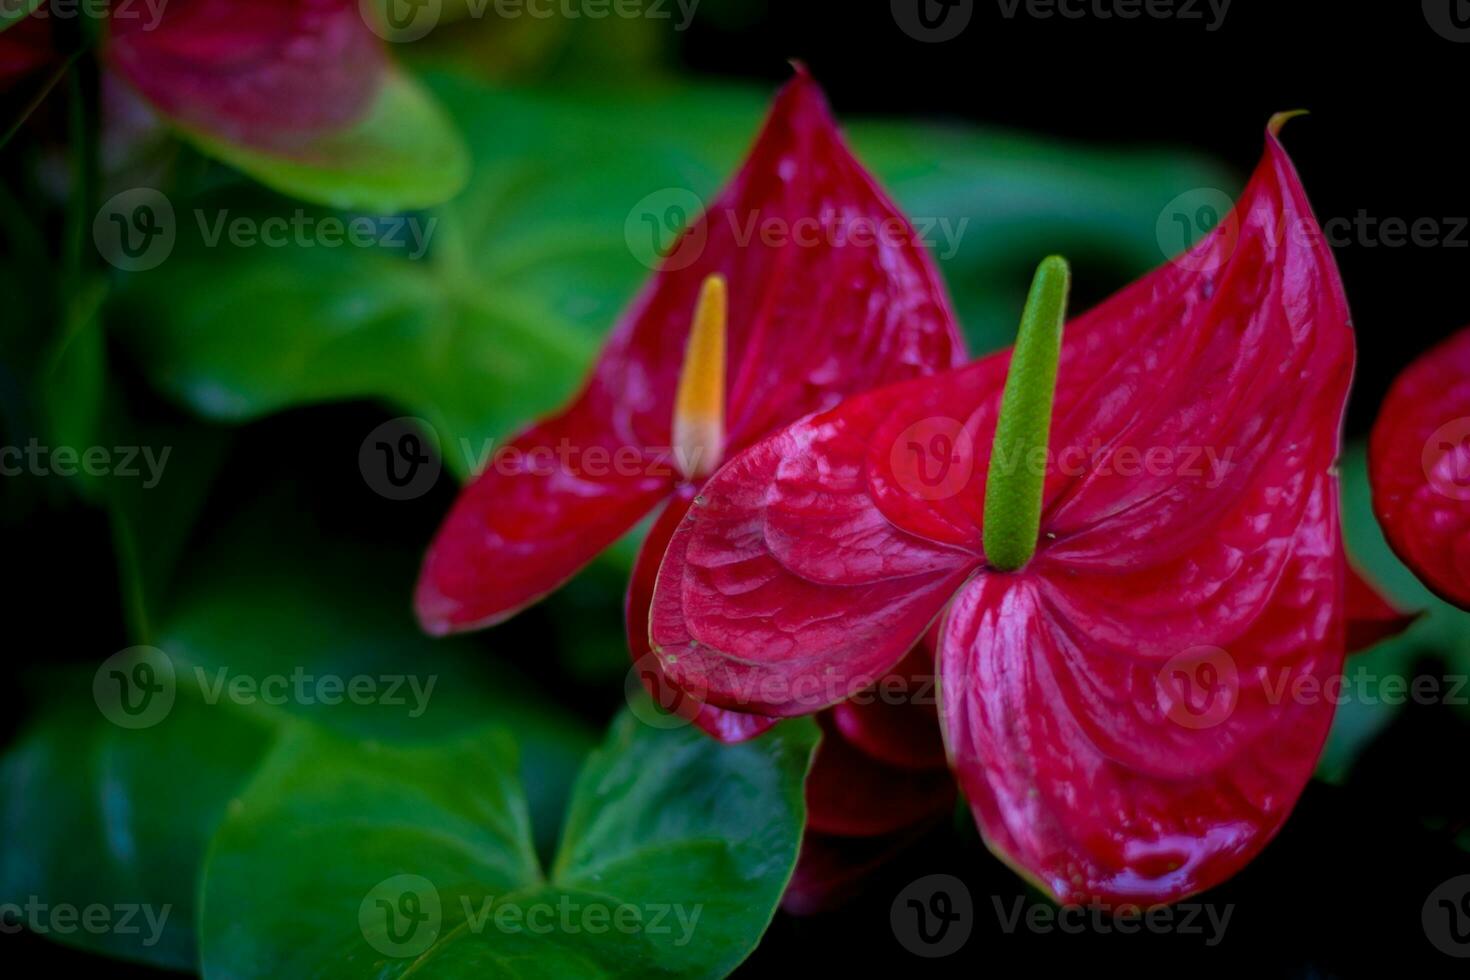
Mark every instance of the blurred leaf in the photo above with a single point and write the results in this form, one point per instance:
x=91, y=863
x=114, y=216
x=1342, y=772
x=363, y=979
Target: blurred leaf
x=257, y=332
x=474, y=40
x=350, y=860
x=533, y=262
x=404, y=154
x=1442, y=635
x=94, y=815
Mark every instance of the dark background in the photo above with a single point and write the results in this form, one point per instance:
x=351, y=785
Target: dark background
x=1339, y=894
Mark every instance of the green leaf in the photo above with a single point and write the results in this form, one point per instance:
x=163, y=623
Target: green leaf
x=327, y=820
x=1442, y=633
x=674, y=816
x=360, y=860
x=403, y=154
x=293, y=327
x=96, y=816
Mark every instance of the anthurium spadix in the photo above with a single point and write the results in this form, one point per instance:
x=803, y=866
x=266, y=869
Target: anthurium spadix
x=1419, y=465
x=1138, y=580
x=800, y=284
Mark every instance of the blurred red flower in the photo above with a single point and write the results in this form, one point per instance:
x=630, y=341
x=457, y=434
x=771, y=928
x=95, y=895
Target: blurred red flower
x=1419, y=464
x=267, y=74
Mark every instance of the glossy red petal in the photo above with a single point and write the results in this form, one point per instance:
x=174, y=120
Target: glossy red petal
x=784, y=591
x=816, y=312
x=835, y=294
x=1371, y=618
x=1419, y=465
x=729, y=727
x=851, y=794
x=1139, y=782
x=1214, y=388
x=269, y=74
x=545, y=505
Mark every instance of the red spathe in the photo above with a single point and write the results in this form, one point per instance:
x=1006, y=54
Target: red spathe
x=1135, y=713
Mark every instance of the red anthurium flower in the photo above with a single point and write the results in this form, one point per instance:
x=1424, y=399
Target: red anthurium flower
x=1419, y=465
x=1138, y=560
x=268, y=74
x=737, y=333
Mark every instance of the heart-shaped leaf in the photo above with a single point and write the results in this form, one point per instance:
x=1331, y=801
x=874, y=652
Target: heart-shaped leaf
x=360, y=860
